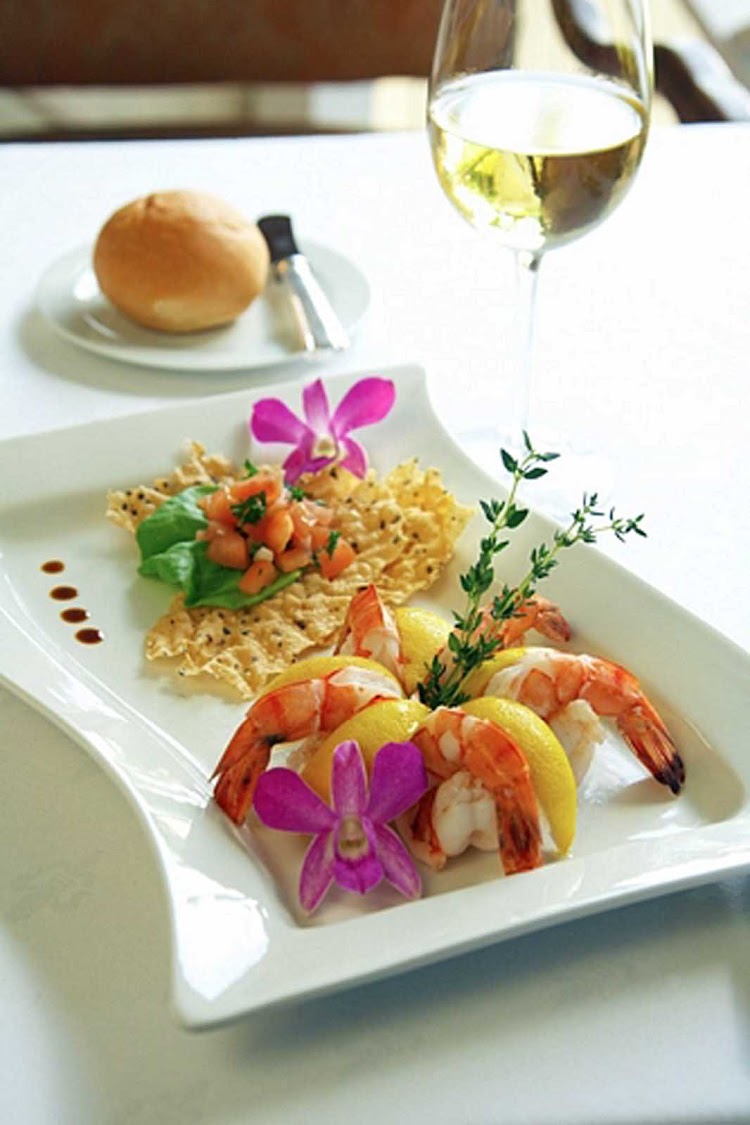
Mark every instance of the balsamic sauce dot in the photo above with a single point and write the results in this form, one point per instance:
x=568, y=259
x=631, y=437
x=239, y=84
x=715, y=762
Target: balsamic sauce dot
x=90, y=636
x=75, y=615
x=63, y=593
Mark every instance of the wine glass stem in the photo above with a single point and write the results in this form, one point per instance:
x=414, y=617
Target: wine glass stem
x=527, y=275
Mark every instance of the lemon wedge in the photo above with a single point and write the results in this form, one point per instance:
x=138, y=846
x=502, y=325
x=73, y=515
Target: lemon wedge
x=476, y=682
x=389, y=720
x=551, y=773
x=317, y=666
x=423, y=634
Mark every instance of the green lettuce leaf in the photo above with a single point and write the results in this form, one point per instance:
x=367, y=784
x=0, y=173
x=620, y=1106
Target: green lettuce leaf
x=171, y=553
x=218, y=585
x=174, y=521
x=177, y=566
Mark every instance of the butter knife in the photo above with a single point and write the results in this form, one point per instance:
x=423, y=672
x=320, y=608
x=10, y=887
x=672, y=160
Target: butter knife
x=319, y=326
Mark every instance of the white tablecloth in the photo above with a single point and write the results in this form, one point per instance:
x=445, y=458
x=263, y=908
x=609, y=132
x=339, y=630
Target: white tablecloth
x=640, y=1015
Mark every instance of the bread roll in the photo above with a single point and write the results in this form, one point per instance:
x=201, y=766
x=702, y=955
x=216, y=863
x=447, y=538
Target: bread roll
x=180, y=261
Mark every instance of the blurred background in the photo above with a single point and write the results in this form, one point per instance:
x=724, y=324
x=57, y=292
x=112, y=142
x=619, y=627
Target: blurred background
x=78, y=69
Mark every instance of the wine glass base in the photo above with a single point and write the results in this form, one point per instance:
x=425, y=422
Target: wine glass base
x=571, y=475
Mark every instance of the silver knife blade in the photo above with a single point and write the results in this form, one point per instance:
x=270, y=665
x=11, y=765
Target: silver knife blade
x=319, y=325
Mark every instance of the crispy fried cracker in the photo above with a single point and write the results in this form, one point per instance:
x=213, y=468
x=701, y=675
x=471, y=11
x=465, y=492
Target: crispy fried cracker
x=128, y=507
x=403, y=526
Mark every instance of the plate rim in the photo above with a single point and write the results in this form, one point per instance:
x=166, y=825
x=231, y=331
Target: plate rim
x=709, y=853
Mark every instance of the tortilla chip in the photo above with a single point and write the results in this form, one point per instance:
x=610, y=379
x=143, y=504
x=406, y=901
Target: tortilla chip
x=128, y=507
x=403, y=527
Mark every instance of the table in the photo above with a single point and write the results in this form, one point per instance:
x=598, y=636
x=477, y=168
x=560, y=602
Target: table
x=641, y=1015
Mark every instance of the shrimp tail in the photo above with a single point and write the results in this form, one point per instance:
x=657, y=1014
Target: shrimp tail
x=648, y=738
x=520, y=842
x=240, y=744
x=551, y=622
x=235, y=788
x=518, y=812
x=536, y=613
x=245, y=758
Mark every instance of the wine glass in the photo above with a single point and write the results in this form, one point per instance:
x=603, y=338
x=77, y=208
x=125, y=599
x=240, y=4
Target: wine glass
x=535, y=141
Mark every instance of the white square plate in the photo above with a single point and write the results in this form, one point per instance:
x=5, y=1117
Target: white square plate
x=239, y=942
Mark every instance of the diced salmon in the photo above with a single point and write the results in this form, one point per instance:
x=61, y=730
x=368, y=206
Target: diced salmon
x=296, y=558
x=332, y=564
x=265, y=480
x=319, y=537
x=258, y=575
x=217, y=506
x=229, y=549
x=275, y=530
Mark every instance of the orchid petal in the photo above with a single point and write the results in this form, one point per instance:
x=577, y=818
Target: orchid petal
x=316, y=875
x=348, y=780
x=362, y=873
x=356, y=458
x=397, y=864
x=317, y=463
x=315, y=405
x=295, y=465
x=301, y=459
x=283, y=800
x=398, y=780
x=367, y=402
x=272, y=420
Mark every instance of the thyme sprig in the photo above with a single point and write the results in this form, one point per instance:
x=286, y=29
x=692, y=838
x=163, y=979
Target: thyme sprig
x=473, y=639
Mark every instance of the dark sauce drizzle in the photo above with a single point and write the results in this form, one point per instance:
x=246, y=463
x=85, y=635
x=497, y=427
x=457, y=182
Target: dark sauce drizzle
x=63, y=593
x=90, y=636
x=76, y=614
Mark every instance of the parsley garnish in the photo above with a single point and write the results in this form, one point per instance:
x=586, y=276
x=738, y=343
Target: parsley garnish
x=251, y=510
x=251, y=470
x=296, y=492
x=468, y=649
x=333, y=539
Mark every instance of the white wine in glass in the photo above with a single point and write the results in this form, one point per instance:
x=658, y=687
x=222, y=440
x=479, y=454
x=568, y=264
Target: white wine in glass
x=534, y=148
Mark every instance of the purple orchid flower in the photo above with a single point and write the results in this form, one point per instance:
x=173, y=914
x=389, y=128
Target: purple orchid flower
x=323, y=438
x=352, y=843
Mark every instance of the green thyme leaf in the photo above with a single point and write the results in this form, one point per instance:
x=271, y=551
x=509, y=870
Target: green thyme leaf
x=477, y=633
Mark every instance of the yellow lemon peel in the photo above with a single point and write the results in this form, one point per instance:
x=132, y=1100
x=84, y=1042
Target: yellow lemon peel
x=390, y=720
x=551, y=773
x=423, y=634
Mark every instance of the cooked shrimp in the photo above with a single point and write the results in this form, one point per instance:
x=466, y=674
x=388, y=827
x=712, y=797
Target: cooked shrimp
x=370, y=630
x=535, y=613
x=549, y=681
x=451, y=740
x=450, y=817
x=579, y=730
x=291, y=712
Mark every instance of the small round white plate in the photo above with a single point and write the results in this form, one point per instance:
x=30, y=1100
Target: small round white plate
x=70, y=299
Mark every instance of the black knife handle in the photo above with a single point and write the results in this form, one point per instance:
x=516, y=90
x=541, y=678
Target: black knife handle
x=277, y=231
